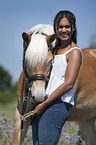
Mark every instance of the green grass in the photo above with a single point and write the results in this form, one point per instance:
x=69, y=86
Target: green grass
x=8, y=108
x=7, y=97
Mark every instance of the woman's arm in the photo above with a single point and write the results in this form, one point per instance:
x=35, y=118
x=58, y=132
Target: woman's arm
x=74, y=61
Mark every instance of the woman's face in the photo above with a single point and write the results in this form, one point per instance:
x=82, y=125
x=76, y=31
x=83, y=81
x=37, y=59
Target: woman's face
x=64, y=31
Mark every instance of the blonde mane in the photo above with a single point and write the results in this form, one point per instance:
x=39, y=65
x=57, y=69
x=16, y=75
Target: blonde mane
x=37, y=50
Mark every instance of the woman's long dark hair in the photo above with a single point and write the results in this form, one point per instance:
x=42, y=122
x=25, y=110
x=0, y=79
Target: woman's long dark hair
x=72, y=20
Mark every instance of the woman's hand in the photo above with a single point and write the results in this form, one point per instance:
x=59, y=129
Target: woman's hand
x=39, y=109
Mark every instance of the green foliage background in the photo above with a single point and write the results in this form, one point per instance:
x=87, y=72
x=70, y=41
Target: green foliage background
x=7, y=97
x=7, y=89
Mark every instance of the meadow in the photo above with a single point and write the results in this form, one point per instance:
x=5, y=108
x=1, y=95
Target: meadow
x=69, y=135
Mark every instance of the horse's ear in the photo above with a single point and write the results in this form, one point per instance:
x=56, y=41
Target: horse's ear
x=26, y=37
x=50, y=38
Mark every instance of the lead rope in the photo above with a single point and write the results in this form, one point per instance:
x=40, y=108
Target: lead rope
x=25, y=100
x=21, y=112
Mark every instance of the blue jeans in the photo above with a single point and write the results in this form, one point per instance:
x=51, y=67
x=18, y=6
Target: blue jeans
x=46, y=127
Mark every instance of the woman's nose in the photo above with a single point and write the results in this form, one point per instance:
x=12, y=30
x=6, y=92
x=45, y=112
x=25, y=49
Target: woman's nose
x=64, y=29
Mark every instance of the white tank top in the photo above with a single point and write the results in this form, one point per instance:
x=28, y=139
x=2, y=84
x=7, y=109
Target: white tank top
x=57, y=77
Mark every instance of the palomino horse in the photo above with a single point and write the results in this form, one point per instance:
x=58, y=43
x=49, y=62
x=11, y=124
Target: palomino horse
x=84, y=109
x=32, y=82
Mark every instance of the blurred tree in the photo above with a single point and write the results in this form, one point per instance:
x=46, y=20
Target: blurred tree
x=14, y=88
x=5, y=79
x=93, y=42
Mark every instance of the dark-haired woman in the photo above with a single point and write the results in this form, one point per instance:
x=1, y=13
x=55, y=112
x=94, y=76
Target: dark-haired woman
x=51, y=115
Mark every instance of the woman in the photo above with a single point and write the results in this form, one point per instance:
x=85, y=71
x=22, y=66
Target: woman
x=51, y=115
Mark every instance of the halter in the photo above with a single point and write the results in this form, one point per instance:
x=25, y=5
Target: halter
x=35, y=77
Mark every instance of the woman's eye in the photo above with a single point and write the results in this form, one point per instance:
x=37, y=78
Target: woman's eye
x=67, y=26
x=60, y=27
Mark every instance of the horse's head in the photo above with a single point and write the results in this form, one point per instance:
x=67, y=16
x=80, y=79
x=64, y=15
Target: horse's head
x=37, y=63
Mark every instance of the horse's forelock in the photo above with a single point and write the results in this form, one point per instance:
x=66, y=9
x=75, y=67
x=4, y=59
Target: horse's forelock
x=37, y=51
